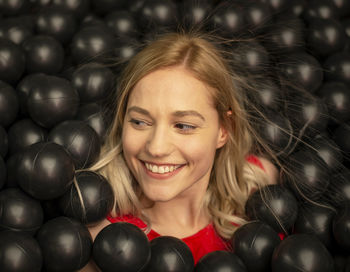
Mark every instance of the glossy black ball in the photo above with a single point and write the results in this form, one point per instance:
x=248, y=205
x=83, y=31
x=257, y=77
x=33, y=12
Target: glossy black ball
x=20, y=212
x=20, y=252
x=302, y=252
x=53, y=101
x=45, y=170
x=315, y=220
x=170, y=254
x=93, y=81
x=307, y=114
x=66, y=244
x=9, y=104
x=11, y=167
x=3, y=172
x=17, y=7
x=79, y=8
x=254, y=243
x=13, y=61
x=273, y=205
x=24, y=133
x=131, y=243
x=321, y=9
x=56, y=22
x=122, y=23
x=92, y=43
x=257, y=16
x=337, y=67
x=341, y=136
x=193, y=13
x=44, y=54
x=217, y=261
x=101, y=7
x=93, y=115
x=325, y=37
x=341, y=228
x=15, y=30
x=266, y=95
x=277, y=132
x=24, y=88
x=4, y=144
x=303, y=70
x=336, y=96
x=96, y=198
x=310, y=174
x=80, y=140
x=157, y=14
x=339, y=191
x=328, y=150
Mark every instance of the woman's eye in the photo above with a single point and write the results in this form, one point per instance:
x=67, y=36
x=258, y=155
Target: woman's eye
x=185, y=127
x=138, y=123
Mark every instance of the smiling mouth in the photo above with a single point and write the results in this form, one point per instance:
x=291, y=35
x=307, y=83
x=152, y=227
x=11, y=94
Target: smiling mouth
x=162, y=169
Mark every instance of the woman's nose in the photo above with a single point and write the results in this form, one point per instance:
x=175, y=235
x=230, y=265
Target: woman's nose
x=159, y=142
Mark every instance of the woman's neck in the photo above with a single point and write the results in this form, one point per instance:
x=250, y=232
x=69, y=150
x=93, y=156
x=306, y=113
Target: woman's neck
x=180, y=217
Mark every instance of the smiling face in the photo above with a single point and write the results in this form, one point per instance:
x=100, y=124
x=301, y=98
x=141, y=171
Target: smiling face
x=171, y=132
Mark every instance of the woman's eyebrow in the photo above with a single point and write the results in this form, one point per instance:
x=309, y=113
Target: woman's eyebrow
x=176, y=113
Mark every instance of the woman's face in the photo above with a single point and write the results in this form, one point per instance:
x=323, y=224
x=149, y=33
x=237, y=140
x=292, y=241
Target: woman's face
x=170, y=134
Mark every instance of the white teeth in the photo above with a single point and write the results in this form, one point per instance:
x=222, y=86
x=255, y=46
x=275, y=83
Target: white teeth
x=161, y=169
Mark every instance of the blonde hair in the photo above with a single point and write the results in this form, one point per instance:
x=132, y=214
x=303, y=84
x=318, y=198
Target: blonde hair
x=232, y=177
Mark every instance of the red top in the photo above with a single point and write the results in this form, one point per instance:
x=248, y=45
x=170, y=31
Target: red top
x=204, y=241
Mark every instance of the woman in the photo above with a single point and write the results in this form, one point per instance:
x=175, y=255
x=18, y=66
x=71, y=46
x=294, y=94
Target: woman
x=178, y=154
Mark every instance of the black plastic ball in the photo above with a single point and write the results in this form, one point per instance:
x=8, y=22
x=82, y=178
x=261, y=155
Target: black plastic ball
x=122, y=23
x=322, y=9
x=273, y=205
x=339, y=191
x=93, y=115
x=266, y=95
x=11, y=167
x=228, y=19
x=124, y=50
x=218, y=261
x=325, y=37
x=96, y=198
x=315, y=220
x=336, y=96
x=257, y=16
x=277, y=132
x=19, y=252
x=93, y=81
x=20, y=212
x=91, y=44
x=254, y=243
x=24, y=133
x=341, y=228
x=44, y=54
x=79, y=8
x=131, y=243
x=45, y=170
x=310, y=175
x=341, y=136
x=15, y=30
x=337, y=67
x=102, y=7
x=307, y=114
x=66, y=244
x=4, y=144
x=80, y=140
x=9, y=104
x=53, y=101
x=24, y=88
x=56, y=22
x=3, y=172
x=328, y=150
x=170, y=254
x=303, y=70
x=13, y=61
x=193, y=13
x=14, y=7
x=343, y=7
x=302, y=252
x=157, y=14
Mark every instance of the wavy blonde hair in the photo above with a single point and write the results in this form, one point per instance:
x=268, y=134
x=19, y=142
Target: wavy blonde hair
x=232, y=177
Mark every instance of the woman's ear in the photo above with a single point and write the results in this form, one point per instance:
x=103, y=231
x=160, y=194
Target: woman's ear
x=222, y=137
